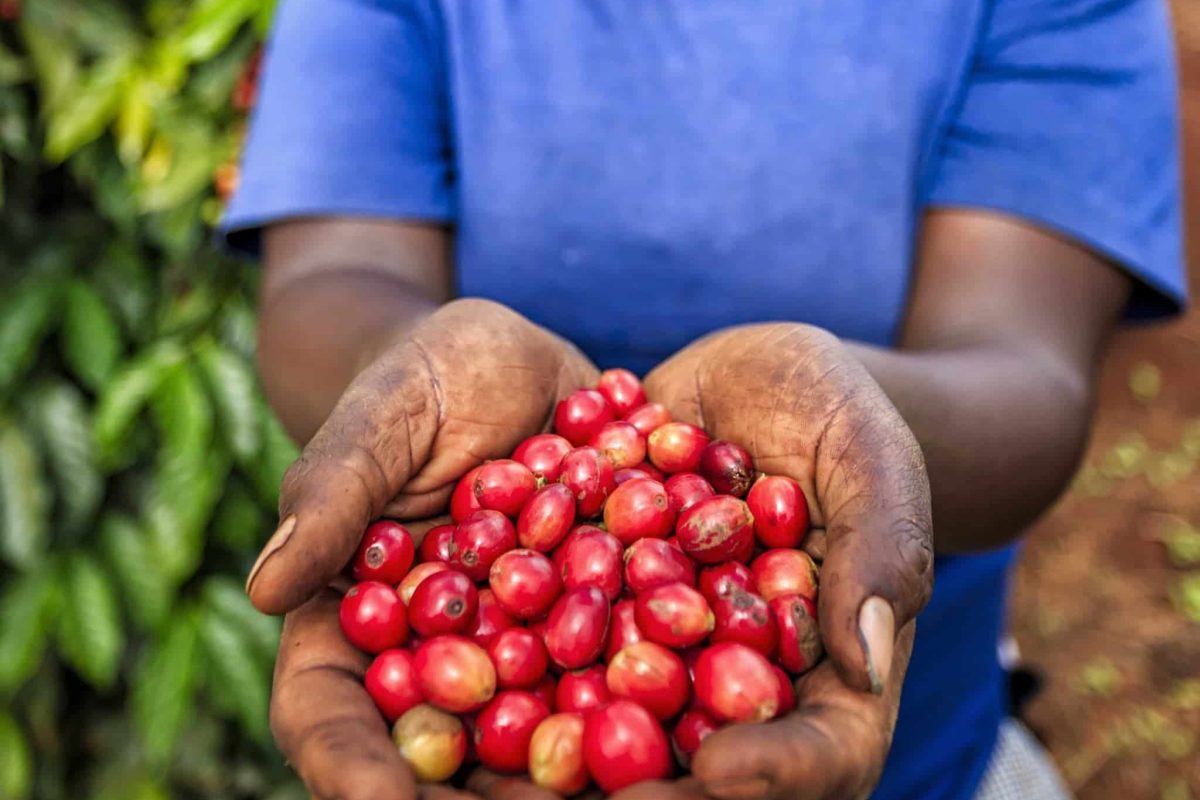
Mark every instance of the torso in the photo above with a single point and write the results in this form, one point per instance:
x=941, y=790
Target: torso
x=637, y=174
x=677, y=167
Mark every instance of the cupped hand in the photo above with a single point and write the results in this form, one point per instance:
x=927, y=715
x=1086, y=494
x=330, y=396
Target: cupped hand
x=468, y=384
x=323, y=719
x=805, y=407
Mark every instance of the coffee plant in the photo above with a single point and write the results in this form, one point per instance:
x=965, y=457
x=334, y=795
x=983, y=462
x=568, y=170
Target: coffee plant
x=139, y=463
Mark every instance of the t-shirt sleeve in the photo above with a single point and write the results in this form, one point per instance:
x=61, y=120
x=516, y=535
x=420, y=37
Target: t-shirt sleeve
x=351, y=119
x=1069, y=119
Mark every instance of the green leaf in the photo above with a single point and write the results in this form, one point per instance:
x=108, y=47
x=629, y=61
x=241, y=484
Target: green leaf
x=238, y=681
x=189, y=474
x=99, y=26
x=186, y=311
x=12, y=67
x=125, y=282
x=238, y=329
x=124, y=397
x=186, y=489
x=277, y=454
x=164, y=688
x=239, y=522
x=16, y=762
x=24, y=499
x=54, y=64
x=87, y=113
x=147, y=589
x=90, y=636
x=212, y=25
x=226, y=599
x=212, y=83
x=111, y=187
x=233, y=388
x=262, y=20
x=66, y=434
x=182, y=412
x=195, y=153
x=16, y=121
x=135, y=118
x=180, y=231
x=27, y=607
x=85, y=27
x=127, y=785
x=91, y=339
x=25, y=317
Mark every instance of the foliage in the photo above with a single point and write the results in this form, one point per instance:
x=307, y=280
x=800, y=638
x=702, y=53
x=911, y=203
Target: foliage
x=138, y=460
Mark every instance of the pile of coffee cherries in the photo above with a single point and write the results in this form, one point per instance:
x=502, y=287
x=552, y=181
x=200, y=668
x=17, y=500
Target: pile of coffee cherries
x=609, y=596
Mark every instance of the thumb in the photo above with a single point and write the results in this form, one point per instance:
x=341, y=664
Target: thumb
x=878, y=568
x=378, y=435
x=833, y=746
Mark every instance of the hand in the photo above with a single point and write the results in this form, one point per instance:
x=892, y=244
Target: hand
x=326, y=723
x=467, y=385
x=804, y=407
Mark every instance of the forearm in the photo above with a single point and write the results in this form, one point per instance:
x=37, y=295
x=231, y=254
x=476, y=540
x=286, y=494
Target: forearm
x=317, y=333
x=335, y=293
x=1002, y=432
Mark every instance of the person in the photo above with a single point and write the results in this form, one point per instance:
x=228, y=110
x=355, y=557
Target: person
x=880, y=245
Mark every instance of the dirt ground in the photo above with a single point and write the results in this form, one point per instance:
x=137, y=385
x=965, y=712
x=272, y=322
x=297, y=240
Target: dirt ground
x=1107, y=595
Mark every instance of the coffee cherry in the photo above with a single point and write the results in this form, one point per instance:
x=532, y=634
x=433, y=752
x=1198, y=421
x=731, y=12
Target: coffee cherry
x=580, y=415
x=505, y=486
x=780, y=511
x=443, y=603
x=385, y=554
x=372, y=617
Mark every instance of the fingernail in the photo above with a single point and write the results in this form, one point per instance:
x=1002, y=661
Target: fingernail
x=738, y=788
x=274, y=545
x=877, y=633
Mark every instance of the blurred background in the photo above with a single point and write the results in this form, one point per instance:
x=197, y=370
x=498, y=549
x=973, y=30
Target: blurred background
x=1107, y=600
x=139, y=463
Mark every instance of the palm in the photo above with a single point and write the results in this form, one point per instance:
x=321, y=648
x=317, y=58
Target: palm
x=473, y=388
x=464, y=386
x=805, y=408
x=791, y=396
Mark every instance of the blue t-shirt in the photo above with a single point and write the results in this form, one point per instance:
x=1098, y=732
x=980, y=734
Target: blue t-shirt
x=636, y=174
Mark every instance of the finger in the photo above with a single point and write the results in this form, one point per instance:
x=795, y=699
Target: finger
x=686, y=789
x=420, y=527
x=877, y=573
x=379, y=433
x=816, y=544
x=443, y=793
x=323, y=719
x=427, y=792
x=833, y=746
x=492, y=786
x=828, y=425
x=420, y=505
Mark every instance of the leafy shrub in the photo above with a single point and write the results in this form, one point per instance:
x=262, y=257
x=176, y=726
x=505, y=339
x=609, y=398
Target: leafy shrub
x=139, y=463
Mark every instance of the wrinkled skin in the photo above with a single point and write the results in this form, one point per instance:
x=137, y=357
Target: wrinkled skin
x=417, y=419
x=804, y=407
x=468, y=384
